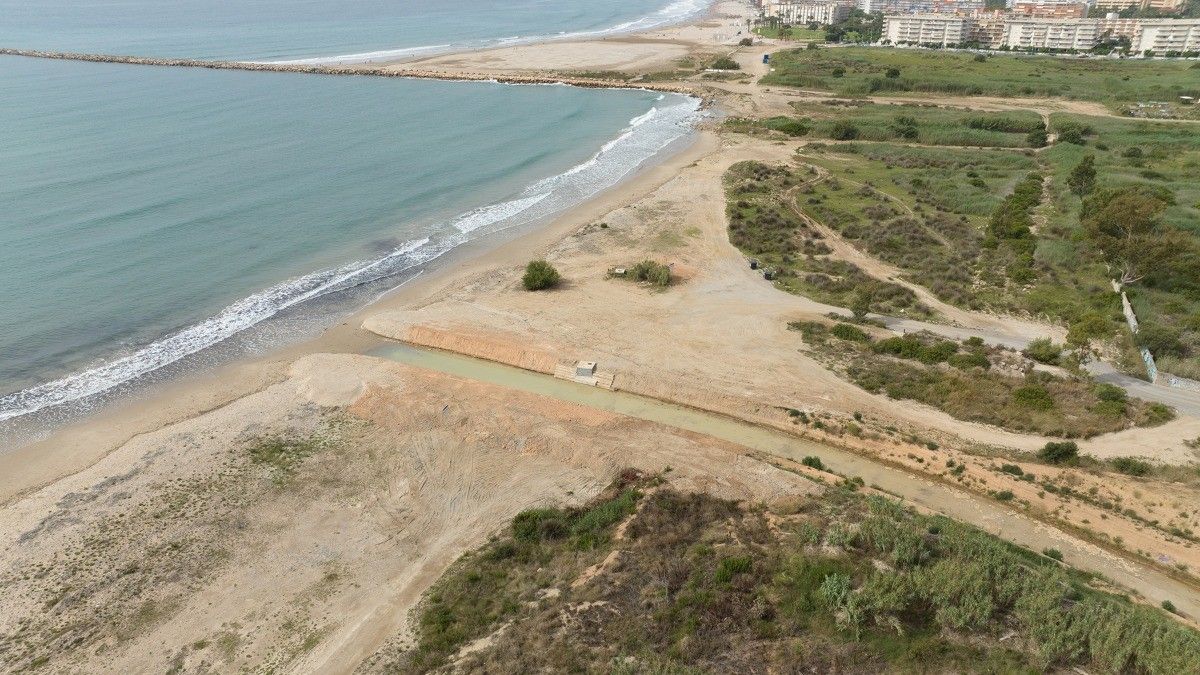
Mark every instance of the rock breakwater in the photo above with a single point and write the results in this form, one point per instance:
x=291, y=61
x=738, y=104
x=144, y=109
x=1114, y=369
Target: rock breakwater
x=368, y=70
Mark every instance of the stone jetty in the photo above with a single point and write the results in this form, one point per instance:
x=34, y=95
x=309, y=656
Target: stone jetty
x=358, y=69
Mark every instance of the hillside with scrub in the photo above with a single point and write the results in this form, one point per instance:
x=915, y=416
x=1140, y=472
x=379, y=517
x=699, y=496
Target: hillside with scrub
x=991, y=211
x=648, y=579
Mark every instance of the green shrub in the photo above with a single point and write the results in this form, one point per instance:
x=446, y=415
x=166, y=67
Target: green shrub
x=728, y=567
x=540, y=275
x=1159, y=414
x=1043, y=350
x=1131, y=466
x=813, y=463
x=725, y=63
x=1033, y=396
x=1059, y=452
x=1169, y=606
x=651, y=272
x=1110, y=392
x=843, y=131
x=850, y=332
x=1012, y=469
x=788, y=125
x=1005, y=495
x=528, y=525
x=1053, y=554
x=969, y=360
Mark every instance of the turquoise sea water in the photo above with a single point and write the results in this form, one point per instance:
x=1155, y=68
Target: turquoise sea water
x=150, y=214
x=306, y=29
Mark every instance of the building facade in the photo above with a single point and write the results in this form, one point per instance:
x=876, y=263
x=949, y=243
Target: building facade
x=987, y=28
x=1050, y=10
x=924, y=6
x=1058, y=34
x=795, y=12
x=1167, y=35
x=926, y=29
x=1160, y=5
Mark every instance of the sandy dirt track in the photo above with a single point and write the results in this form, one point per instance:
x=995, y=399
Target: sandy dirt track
x=179, y=550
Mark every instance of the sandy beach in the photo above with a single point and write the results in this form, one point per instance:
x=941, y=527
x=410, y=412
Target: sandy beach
x=288, y=512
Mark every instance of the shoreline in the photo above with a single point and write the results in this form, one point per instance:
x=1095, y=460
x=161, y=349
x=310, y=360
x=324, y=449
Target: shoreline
x=81, y=443
x=202, y=388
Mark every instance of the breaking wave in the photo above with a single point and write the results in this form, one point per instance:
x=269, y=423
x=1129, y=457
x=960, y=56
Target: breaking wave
x=645, y=137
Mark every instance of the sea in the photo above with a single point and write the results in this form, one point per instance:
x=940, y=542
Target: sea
x=158, y=220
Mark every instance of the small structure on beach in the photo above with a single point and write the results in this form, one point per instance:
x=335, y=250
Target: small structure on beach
x=584, y=372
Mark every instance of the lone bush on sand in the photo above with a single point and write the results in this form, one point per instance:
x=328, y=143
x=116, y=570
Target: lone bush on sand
x=652, y=272
x=540, y=275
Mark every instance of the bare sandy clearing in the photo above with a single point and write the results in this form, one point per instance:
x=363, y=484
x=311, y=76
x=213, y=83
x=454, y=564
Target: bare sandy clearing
x=179, y=549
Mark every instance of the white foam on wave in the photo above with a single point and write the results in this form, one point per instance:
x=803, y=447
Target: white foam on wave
x=673, y=13
x=488, y=215
x=233, y=319
x=644, y=137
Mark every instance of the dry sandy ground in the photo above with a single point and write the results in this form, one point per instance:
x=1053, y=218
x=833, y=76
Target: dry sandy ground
x=180, y=550
x=719, y=340
x=652, y=51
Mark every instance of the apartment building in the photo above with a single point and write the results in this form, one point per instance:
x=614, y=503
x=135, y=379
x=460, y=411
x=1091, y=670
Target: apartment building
x=921, y=6
x=1050, y=10
x=1034, y=33
x=987, y=28
x=824, y=12
x=1167, y=35
x=926, y=29
x=1160, y=5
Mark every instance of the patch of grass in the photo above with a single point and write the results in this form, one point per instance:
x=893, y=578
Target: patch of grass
x=283, y=455
x=804, y=33
x=764, y=225
x=913, y=123
x=864, y=71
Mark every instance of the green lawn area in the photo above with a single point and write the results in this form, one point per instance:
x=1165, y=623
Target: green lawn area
x=801, y=33
x=864, y=71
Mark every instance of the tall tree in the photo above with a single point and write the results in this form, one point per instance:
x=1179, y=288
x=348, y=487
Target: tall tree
x=1082, y=179
x=1125, y=224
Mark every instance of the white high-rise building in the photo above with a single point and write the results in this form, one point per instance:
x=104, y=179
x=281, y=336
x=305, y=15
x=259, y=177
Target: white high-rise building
x=926, y=29
x=1033, y=33
x=1167, y=35
x=824, y=12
